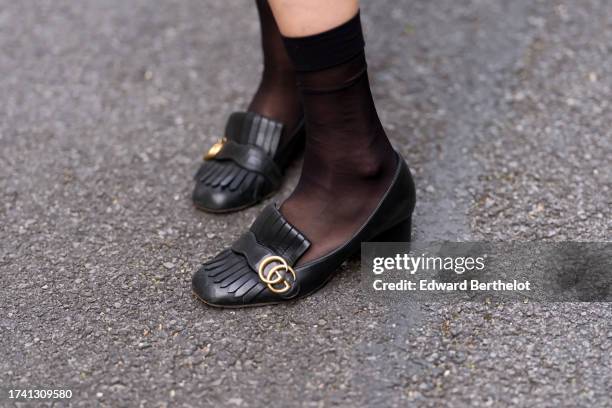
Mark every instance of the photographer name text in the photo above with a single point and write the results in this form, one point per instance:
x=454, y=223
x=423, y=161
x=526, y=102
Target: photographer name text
x=411, y=265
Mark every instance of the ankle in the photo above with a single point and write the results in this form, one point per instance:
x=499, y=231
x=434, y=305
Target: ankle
x=374, y=167
x=349, y=176
x=358, y=158
x=277, y=98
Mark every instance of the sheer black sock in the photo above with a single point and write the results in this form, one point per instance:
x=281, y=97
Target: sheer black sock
x=348, y=161
x=277, y=96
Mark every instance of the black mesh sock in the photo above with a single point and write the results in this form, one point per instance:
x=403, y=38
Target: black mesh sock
x=348, y=161
x=277, y=96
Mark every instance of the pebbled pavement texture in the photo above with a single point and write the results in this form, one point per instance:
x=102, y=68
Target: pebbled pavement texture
x=502, y=109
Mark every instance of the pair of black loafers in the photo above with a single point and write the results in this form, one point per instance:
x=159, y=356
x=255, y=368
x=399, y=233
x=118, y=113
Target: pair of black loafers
x=242, y=169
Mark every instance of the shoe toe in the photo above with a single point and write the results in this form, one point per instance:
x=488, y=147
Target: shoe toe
x=226, y=280
x=204, y=287
x=217, y=199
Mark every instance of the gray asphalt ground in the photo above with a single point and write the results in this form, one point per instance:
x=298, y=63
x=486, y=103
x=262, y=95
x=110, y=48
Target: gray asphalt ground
x=502, y=108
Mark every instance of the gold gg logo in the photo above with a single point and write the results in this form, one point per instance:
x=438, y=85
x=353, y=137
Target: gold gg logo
x=274, y=277
x=215, y=149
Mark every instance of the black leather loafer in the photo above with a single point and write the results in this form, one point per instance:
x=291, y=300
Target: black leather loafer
x=246, y=165
x=259, y=268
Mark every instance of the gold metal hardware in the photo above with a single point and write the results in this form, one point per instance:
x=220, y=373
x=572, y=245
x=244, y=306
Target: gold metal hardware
x=215, y=149
x=274, y=278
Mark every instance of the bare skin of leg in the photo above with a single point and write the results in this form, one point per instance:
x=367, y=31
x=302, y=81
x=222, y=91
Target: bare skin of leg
x=300, y=18
x=348, y=160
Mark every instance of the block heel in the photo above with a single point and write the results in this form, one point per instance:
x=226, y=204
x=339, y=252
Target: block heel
x=398, y=233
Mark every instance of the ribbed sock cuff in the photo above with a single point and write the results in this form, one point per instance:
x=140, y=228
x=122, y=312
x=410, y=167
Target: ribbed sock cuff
x=327, y=49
